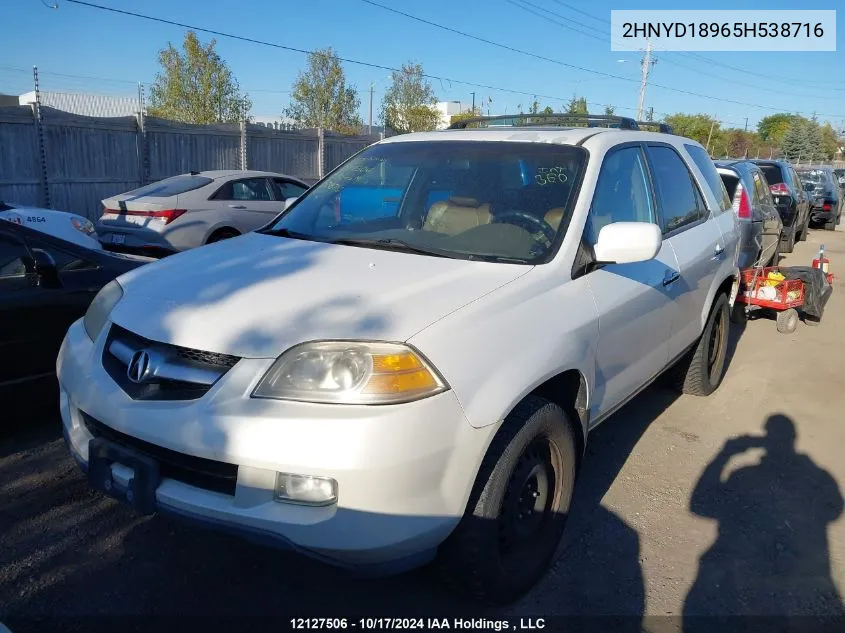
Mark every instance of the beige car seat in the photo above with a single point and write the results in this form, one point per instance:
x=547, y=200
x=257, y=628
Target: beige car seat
x=456, y=215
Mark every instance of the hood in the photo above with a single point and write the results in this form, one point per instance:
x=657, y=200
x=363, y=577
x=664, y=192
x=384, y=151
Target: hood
x=257, y=295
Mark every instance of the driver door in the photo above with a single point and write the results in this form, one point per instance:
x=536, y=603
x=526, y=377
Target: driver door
x=636, y=302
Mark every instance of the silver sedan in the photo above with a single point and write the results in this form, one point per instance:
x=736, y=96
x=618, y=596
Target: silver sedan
x=193, y=209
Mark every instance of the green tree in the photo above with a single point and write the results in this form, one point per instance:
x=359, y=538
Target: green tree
x=196, y=86
x=694, y=126
x=548, y=110
x=773, y=127
x=801, y=141
x=577, y=105
x=409, y=103
x=609, y=110
x=535, y=107
x=321, y=97
x=465, y=115
x=829, y=141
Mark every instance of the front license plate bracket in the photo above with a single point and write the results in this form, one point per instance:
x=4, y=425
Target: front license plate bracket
x=140, y=492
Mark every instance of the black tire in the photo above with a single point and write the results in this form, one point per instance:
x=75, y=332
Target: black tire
x=221, y=234
x=789, y=245
x=700, y=371
x=504, y=544
x=738, y=314
x=787, y=321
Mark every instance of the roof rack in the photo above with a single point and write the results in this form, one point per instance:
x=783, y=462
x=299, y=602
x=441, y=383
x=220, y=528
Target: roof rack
x=661, y=127
x=562, y=119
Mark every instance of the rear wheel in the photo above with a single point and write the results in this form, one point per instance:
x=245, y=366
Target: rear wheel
x=789, y=243
x=518, y=507
x=701, y=371
x=222, y=234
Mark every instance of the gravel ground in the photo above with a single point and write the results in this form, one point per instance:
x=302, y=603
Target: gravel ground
x=674, y=516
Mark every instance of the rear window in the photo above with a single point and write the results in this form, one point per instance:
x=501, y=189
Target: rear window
x=708, y=170
x=772, y=173
x=172, y=186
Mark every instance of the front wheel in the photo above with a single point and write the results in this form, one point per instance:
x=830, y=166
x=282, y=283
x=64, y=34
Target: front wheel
x=700, y=372
x=518, y=507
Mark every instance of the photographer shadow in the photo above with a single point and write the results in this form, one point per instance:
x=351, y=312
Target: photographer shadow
x=771, y=556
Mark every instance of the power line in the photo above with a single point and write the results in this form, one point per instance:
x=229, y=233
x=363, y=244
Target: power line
x=703, y=58
x=604, y=35
x=565, y=64
x=393, y=69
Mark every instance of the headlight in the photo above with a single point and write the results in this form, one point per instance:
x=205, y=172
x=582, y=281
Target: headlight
x=349, y=372
x=82, y=225
x=100, y=308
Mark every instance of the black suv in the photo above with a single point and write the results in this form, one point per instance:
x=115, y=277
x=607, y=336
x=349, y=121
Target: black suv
x=793, y=203
x=823, y=185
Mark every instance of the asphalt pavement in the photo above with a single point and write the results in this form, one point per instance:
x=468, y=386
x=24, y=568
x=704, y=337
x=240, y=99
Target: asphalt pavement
x=685, y=507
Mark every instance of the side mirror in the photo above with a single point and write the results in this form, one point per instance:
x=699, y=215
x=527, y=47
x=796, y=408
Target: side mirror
x=46, y=269
x=628, y=242
x=289, y=202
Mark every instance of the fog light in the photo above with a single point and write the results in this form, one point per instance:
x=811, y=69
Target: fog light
x=305, y=489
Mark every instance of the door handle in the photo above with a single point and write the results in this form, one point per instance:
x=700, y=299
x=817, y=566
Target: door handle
x=671, y=277
x=718, y=251
x=237, y=206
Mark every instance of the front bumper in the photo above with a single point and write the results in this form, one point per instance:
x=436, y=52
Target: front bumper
x=404, y=472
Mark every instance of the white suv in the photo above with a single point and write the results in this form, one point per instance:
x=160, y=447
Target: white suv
x=407, y=362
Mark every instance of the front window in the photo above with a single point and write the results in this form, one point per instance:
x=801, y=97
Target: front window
x=494, y=201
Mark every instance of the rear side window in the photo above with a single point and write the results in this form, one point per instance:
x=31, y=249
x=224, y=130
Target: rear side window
x=172, y=186
x=762, y=191
x=708, y=170
x=772, y=173
x=680, y=202
x=250, y=189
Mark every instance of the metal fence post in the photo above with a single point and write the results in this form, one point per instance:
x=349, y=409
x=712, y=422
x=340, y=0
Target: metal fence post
x=321, y=152
x=243, y=144
x=141, y=140
x=44, y=197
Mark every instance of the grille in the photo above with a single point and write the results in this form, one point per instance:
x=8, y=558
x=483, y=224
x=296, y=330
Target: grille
x=162, y=388
x=199, y=472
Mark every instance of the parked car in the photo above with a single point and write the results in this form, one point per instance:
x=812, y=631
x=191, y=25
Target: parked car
x=61, y=224
x=46, y=283
x=193, y=209
x=827, y=199
x=759, y=223
x=374, y=392
x=792, y=201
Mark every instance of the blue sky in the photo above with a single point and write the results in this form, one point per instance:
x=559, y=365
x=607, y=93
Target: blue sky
x=115, y=52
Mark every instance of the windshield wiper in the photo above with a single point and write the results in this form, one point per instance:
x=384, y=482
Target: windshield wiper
x=389, y=243
x=296, y=235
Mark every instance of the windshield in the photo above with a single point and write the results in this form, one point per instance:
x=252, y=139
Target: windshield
x=172, y=186
x=497, y=201
x=815, y=177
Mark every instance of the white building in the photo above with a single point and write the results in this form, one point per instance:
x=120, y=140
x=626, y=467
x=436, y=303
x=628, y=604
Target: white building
x=448, y=109
x=84, y=104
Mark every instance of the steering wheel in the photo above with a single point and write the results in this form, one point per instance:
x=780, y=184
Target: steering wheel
x=529, y=222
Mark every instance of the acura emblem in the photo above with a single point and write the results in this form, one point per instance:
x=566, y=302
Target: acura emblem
x=139, y=366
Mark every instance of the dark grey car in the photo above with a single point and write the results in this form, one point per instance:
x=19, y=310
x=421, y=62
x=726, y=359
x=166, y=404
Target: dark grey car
x=760, y=223
x=791, y=200
x=827, y=198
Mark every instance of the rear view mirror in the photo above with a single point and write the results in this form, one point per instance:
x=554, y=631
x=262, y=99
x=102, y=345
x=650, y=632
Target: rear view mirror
x=628, y=242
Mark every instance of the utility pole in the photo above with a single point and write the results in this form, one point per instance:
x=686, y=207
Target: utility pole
x=710, y=135
x=473, y=103
x=370, y=127
x=647, y=64
x=746, y=124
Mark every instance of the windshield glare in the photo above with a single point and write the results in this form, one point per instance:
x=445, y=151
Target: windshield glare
x=501, y=201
